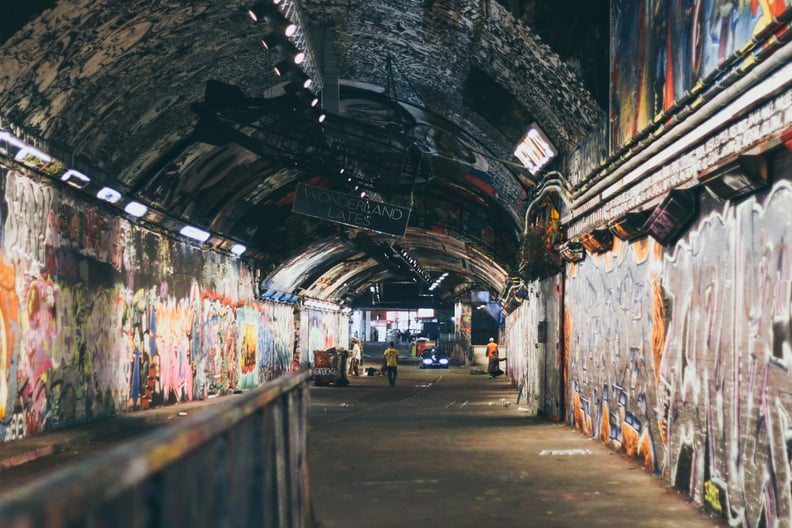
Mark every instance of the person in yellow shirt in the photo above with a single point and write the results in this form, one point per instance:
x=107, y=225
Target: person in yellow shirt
x=391, y=357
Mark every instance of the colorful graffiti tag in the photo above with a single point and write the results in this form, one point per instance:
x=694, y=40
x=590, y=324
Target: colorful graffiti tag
x=681, y=357
x=98, y=316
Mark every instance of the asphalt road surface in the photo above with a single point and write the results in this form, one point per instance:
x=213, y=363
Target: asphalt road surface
x=449, y=449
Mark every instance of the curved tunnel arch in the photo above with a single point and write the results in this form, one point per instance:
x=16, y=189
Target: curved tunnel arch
x=177, y=106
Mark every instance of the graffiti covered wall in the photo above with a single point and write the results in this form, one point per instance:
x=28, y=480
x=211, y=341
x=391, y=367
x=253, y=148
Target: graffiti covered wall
x=534, y=345
x=659, y=50
x=99, y=316
x=680, y=356
x=320, y=330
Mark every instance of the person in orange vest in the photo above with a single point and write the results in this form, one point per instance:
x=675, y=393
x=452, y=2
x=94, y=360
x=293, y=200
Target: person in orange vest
x=493, y=366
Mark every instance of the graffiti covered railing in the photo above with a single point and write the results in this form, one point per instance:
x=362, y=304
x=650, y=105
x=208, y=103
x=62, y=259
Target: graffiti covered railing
x=241, y=463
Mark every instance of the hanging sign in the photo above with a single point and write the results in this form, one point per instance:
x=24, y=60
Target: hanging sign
x=350, y=210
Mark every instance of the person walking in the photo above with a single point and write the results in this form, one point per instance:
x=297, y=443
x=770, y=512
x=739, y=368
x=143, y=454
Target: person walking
x=391, y=357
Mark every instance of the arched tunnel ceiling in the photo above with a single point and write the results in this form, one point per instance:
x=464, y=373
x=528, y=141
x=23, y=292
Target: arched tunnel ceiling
x=177, y=105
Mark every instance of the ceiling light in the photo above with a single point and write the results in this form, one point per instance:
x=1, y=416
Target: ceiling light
x=271, y=41
x=136, y=209
x=196, y=234
x=7, y=141
x=276, y=21
x=534, y=149
x=75, y=178
x=283, y=67
x=283, y=48
x=108, y=195
x=289, y=29
x=261, y=11
x=22, y=152
x=304, y=95
x=238, y=249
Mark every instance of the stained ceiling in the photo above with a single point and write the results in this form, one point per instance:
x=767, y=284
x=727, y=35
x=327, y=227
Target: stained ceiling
x=177, y=105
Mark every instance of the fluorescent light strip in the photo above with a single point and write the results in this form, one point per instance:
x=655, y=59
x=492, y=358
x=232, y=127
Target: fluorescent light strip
x=25, y=150
x=196, y=234
x=136, y=209
x=76, y=179
x=108, y=195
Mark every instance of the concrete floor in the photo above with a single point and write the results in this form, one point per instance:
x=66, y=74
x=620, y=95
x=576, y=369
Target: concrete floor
x=437, y=449
x=440, y=449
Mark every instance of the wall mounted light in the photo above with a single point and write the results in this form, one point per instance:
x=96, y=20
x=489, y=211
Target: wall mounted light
x=76, y=179
x=669, y=218
x=321, y=305
x=736, y=177
x=108, y=195
x=135, y=209
x=598, y=240
x=196, y=234
x=630, y=226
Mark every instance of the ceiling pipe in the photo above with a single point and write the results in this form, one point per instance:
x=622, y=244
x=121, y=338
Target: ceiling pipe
x=707, y=111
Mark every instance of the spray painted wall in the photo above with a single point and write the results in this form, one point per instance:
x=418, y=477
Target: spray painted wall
x=659, y=50
x=535, y=352
x=98, y=316
x=681, y=356
x=320, y=330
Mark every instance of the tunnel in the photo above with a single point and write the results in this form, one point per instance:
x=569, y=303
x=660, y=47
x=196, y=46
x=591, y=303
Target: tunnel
x=200, y=198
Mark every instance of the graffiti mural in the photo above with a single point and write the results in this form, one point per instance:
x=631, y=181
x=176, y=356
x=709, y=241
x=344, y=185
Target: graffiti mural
x=322, y=330
x=9, y=328
x=661, y=49
x=680, y=357
x=99, y=316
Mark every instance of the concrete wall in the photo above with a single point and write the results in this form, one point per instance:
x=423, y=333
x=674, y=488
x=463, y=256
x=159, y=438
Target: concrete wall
x=680, y=356
x=536, y=361
x=98, y=316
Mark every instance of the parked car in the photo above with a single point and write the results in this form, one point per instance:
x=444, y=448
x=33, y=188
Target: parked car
x=433, y=358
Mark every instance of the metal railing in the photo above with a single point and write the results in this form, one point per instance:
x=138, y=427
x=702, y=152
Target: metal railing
x=238, y=463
